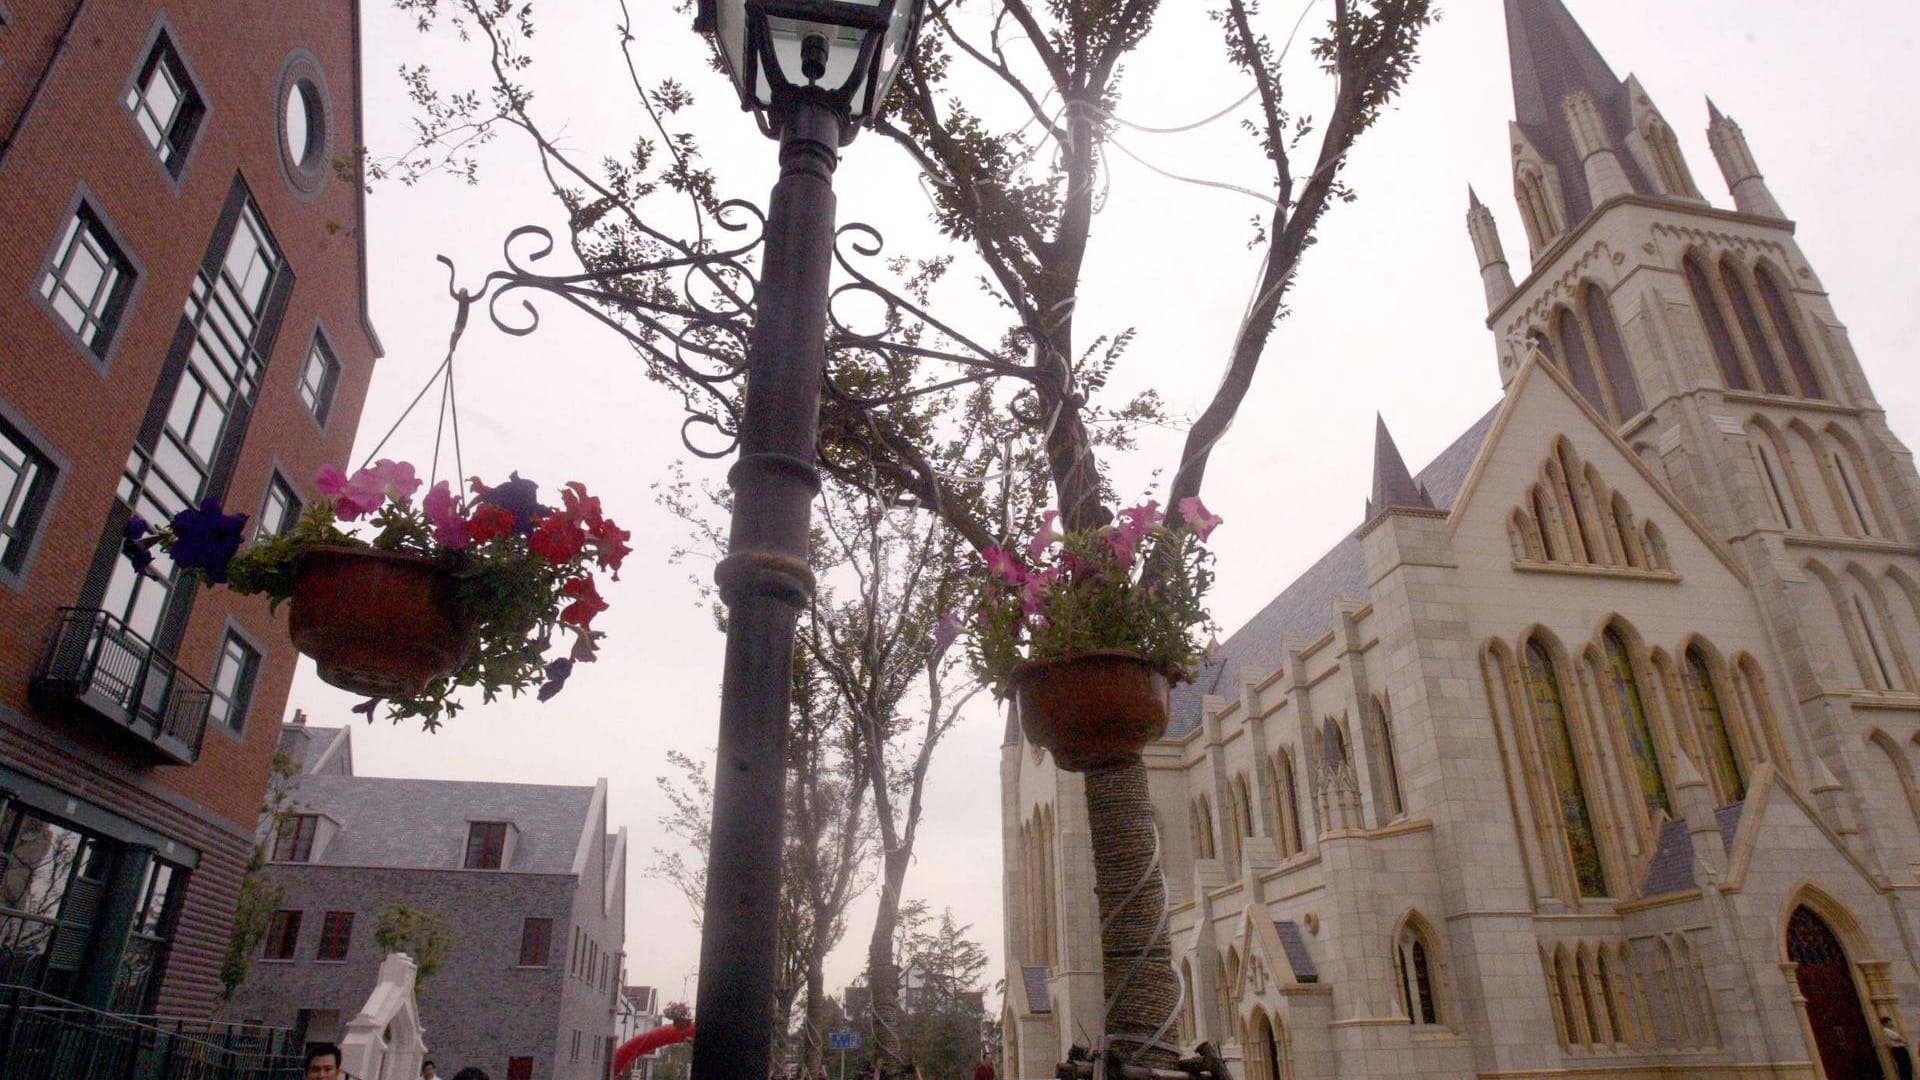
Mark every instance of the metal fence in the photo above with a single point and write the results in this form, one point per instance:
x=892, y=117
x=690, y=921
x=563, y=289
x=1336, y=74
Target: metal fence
x=45, y=1038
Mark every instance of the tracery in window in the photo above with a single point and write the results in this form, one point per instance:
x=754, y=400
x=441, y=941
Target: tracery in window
x=1723, y=761
x=1563, y=767
x=1633, y=720
x=1413, y=956
x=1758, y=347
x=1799, y=360
x=1714, y=319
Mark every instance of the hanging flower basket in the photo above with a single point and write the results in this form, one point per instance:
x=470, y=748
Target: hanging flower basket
x=379, y=623
x=1092, y=710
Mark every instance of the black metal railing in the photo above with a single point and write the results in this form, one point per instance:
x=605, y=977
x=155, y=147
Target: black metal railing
x=94, y=661
x=43, y=1037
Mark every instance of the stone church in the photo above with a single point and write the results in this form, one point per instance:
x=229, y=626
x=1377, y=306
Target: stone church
x=1590, y=751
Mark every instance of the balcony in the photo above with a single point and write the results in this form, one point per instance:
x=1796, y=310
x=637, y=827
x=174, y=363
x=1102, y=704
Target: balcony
x=43, y=1037
x=94, y=664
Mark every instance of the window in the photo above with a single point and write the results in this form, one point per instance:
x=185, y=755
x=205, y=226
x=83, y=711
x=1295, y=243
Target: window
x=336, y=933
x=283, y=935
x=1869, y=629
x=519, y=1068
x=1286, y=791
x=165, y=105
x=1757, y=344
x=46, y=864
x=279, y=509
x=1723, y=764
x=26, y=483
x=1855, y=508
x=1576, y=819
x=1579, y=363
x=1770, y=472
x=486, y=845
x=1799, y=361
x=1633, y=720
x=536, y=938
x=1392, y=801
x=145, y=956
x=1621, y=387
x=233, y=676
x=87, y=280
x=1715, y=321
x=1413, y=965
x=295, y=842
x=317, y=378
x=574, y=1054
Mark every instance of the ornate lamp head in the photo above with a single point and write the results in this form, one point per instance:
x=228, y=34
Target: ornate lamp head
x=840, y=53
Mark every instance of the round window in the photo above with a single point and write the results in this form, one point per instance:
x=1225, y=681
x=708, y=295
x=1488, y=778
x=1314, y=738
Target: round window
x=303, y=119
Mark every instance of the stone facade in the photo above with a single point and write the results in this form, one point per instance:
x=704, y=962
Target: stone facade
x=1590, y=753
x=382, y=842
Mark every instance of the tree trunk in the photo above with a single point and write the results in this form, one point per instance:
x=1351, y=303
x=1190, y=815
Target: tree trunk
x=1143, y=991
x=814, y=1040
x=883, y=977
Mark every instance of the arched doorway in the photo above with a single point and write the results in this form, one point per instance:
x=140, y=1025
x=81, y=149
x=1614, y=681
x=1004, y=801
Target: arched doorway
x=1834, y=1013
x=1266, y=1055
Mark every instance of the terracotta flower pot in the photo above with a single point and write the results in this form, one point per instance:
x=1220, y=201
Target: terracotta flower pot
x=378, y=623
x=1094, y=710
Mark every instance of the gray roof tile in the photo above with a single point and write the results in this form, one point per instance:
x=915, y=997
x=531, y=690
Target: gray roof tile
x=422, y=824
x=1297, y=954
x=1671, y=870
x=1035, y=981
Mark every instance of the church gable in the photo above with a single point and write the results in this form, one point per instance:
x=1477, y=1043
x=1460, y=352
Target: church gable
x=1555, y=490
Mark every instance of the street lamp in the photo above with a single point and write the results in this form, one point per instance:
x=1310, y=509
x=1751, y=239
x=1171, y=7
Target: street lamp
x=811, y=71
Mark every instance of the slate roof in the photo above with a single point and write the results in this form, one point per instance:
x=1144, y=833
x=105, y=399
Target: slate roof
x=422, y=824
x=1296, y=948
x=1304, y=609
x=1671, y=870
x=1552, y=57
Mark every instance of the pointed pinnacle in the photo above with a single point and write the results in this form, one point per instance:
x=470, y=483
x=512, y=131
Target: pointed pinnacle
x=1713, y=113
x=1473, y=201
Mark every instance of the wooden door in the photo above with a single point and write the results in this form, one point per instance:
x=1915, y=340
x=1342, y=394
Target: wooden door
x=1840, y=1031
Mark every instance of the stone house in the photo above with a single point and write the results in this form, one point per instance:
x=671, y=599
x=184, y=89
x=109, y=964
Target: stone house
x=1590, y=752
x=525, y=877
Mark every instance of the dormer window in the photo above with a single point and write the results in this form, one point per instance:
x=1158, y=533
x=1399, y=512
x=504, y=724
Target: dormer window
x=488, y=844
x=295, y=842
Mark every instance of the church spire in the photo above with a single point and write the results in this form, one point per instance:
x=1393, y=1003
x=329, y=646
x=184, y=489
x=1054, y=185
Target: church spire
x=1554, y=60
x=1393, y=485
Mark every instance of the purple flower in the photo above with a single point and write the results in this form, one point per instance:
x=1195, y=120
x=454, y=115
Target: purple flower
x=557, y=673
x=204, y=537
x=138, y=552
x=518, y=497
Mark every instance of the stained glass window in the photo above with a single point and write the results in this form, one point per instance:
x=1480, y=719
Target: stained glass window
x=1721, y=759
x=1582, y=843
x=1646, y=754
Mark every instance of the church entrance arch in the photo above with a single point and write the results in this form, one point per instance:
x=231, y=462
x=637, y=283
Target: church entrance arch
x=1834, y=1012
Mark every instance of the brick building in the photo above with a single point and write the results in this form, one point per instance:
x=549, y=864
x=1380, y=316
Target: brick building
x=528, y=882
x=183, y=316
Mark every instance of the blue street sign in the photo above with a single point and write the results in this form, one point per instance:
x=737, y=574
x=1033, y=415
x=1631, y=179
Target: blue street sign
x=843, y=1040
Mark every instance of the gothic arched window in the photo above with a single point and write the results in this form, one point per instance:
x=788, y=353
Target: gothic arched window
x=1203, y=828
x=1613, y=355
x=1286, y=793
x=1723, y=763
x=1413, y=964
x=1633, y=720
x=1536, y=207
x=1576, y=819
x=1579, y=362
x=1758, y=346
x=1392, y=803
x=1719, y=336
x=1774, y=298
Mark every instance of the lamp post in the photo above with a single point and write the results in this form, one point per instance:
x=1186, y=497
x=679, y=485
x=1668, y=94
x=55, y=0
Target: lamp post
x=811, y=72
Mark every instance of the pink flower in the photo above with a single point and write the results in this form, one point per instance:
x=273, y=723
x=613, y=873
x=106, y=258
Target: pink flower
x=1140, y=520
x=367, y=490
x=1198, y=519
x=1033, y=595
x=346, y=503
x=1002, y=564
x=1045, y=538
x=449, y=528
x=946, y=631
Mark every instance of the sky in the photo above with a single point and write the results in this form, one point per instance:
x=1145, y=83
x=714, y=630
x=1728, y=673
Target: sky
x=1387, y=316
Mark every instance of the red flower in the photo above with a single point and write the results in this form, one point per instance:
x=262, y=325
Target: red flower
x=586, y=602
x=488, y=522
x=610, y=543
x=557, y=539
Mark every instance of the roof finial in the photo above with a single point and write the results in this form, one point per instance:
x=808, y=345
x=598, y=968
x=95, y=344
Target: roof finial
x=1713, y=113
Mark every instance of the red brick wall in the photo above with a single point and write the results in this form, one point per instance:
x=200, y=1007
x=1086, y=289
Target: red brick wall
x=78, y=132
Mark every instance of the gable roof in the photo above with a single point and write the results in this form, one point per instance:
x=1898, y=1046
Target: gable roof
x=1304, y=609
x=422, y=824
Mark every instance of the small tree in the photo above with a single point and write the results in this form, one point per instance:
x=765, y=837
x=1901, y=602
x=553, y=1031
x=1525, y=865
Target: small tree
x=946, y=1004
x=259, y=896
x=419, y=934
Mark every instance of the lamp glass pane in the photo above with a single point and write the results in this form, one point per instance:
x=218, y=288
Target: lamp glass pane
x=730, y=30
x=892, y=54
x=843, y=48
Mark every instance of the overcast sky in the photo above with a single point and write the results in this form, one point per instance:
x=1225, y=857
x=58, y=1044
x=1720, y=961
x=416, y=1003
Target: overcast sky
x=1389, y=316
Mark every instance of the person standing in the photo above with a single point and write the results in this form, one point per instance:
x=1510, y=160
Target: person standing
x=323, y=1062
x=1897, y=1049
